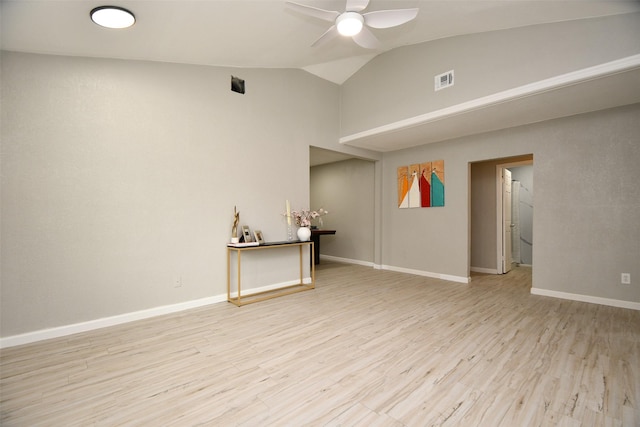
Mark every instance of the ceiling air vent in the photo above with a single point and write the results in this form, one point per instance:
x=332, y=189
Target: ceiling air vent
x=444, y=80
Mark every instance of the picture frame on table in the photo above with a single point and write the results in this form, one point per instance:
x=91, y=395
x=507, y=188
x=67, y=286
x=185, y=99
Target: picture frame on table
x=247, y=237
x=259, y=237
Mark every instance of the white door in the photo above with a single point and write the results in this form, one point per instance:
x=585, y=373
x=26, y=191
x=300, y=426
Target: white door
x=515, y=219
x=506, y=220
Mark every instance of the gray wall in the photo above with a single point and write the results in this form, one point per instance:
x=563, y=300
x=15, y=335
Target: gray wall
x=482, y=210
x=600, y=149
x=346, y=189
x=119, y=177
x=587, y=202
x=484, y=64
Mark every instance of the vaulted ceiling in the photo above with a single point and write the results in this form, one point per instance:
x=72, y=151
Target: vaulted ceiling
x=269, y=34
x=264, y=33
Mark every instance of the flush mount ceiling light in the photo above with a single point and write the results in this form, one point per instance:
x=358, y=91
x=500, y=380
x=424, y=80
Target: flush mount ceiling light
x=349, y=23
x=112, y=17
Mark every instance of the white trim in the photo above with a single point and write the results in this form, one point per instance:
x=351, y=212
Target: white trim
x=458, y=279
x=484, y=270
x=61, y=331
x=557, y=82
x=587, y=298
x=398, y=269
x=448, y=277
x=347, y=261
x=66, y=330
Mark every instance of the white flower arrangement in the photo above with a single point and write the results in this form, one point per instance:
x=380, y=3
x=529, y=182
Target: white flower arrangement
x=304, y=217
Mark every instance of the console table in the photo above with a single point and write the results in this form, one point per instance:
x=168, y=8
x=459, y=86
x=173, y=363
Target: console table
x=265, y=295
x=315, y=237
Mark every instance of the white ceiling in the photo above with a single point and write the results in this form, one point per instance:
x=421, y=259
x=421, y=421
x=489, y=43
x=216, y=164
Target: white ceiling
x=263, y=33
x=266, y=34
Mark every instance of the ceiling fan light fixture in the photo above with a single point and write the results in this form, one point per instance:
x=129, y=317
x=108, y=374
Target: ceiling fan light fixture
x=112, y=17
x=349, y=23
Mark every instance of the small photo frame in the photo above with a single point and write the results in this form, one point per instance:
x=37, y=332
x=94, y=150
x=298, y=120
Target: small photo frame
x=259, y=238
x=246, y=234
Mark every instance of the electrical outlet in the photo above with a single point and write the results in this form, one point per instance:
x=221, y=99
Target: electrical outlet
x=625, y=278
x=177, y=282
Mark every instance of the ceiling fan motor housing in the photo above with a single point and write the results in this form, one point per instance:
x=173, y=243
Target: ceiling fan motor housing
x=349, y=23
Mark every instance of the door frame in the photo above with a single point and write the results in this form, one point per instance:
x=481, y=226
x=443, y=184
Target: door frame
x=499, y=211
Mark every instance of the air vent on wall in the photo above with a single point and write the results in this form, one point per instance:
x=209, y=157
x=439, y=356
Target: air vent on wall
x=444, y=80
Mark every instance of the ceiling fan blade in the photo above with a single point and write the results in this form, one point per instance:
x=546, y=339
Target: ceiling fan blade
x=389, y=18
x=327, y=15
x=356, y=5
x=324, y=38
x=366, y=39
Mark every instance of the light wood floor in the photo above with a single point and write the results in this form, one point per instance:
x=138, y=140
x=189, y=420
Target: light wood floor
x=366, y=348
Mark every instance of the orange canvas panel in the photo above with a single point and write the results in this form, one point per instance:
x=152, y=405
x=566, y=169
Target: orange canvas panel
x=403, y=184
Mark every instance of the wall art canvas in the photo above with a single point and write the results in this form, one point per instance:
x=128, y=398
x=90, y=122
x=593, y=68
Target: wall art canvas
x=437, y=183
x=414, y=186
x=421, y=185
x=403, y=187
x=425, y=184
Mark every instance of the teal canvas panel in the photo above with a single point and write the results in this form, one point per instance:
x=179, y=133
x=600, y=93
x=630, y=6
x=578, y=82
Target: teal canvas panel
x=437, y=191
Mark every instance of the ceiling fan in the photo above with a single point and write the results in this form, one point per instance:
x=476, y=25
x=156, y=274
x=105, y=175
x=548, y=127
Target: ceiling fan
x=353, y=23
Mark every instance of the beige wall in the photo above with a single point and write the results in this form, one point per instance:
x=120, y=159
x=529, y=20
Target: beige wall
x=120, y=177
x=595, y=151
x=399, y=84
x=585, y=221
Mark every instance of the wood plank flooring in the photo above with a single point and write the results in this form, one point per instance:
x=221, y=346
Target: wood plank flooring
x=365, y=348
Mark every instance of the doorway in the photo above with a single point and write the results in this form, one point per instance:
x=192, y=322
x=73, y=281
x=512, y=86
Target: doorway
x=346, y=186
x=486, y=214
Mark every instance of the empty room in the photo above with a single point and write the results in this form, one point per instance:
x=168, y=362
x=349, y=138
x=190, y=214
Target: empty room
x=320, y=212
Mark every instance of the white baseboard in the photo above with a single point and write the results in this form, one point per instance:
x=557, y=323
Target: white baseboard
x=484, y=270
x=62, y=331
x=346, y=260
x=587, y=298
x=398, y=269
x=448, y=277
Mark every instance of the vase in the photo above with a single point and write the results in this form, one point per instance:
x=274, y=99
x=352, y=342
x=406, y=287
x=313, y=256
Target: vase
x=304, y=233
